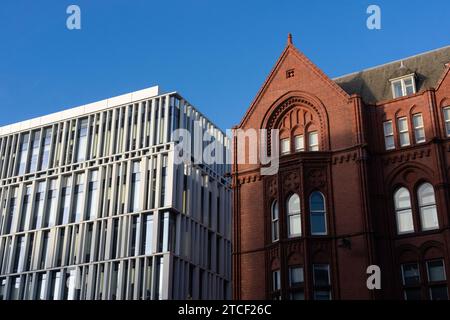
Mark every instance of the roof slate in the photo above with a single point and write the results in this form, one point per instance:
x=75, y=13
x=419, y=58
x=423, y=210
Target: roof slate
x=373, y=84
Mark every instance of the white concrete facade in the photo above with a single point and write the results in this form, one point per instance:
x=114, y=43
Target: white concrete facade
x=93, y=206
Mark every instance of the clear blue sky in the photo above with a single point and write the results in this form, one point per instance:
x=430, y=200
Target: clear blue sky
x=215, y=53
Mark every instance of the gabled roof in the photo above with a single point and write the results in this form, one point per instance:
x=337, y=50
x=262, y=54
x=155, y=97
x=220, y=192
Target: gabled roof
x=373, y=84
x=290, y=48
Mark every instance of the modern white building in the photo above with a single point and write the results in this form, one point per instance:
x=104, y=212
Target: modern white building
x=93, y=205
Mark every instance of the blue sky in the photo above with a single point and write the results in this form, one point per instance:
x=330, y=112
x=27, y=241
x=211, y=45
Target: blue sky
x=215, y=53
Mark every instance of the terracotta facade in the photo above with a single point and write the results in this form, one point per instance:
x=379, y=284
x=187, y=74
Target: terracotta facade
x=357, y=177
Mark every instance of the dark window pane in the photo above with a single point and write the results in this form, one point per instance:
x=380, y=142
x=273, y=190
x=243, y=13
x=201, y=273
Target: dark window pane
x=413, y=294
x=439, y=293
x=317, y=202
x=436, y=271
x=411, y=275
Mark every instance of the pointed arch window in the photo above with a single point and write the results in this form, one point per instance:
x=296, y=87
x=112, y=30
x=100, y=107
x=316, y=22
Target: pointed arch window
x=294, y=216
x=275, y=222
x=427, y=207
x=403, y=211
x=318, y=214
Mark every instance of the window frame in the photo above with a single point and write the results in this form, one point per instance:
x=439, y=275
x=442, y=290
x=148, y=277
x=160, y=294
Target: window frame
x=389, y=135
x=402, y=81
x=293, y=214
x=321, y=287
x=422, y=206
x=403, y=132
x=275, y=221
x=401, y=210
x=446, y=121
x=317, y=211
x=418, y=128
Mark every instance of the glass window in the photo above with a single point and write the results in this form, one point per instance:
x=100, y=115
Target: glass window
x=427, y=205
x=397, y=89
x=295, y=276
x=23, y=154
x=39, y=205
x=35, y=143
x=46, y=144
x=419, y=130
x=299, y=143
x=285, y=146
x=321, y=275
x=135, y=187
x=294, y=217
x=447, y=120
x=411, y=274
x=313, y=141
x=93, y=195
x=52, y=202
x=275, y=221
x=436, y=271
x=402, y=201
x=15, y=289
x=413, y=294
x=439, y=293
x=78, y=208
x=26, y=207
x=318, y=214
x=42, y=283
x=82, y=141
x=403, y=131
x=403, y=87
x=276, y=280
x=65, y=201
x=388, y=135
x=148, y=232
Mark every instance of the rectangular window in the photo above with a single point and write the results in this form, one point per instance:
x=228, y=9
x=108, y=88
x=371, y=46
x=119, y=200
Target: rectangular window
x=46, y=144
x=82, y=141
x=78, y=208
x=321, y=275
x=39, y=205
x=313, y=140
x=437, y=280
x=276, y=284
x=93, y=195
x=148, y=234
x=411, y=281
x=403, y=87
x=23, y=154
x=65, y=200
x=52, y=202
x=419, y=130
x=285, y=146
x=12, y=210
x=388, y=135
x=299, y=143
x=26, y=207
x=41, y=286
x=296, y=282
x=35, y=143
x=403, y=131
x=447, y=120
x=135, y=187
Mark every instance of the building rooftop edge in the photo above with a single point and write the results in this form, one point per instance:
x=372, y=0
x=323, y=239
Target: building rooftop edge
x=88, y=108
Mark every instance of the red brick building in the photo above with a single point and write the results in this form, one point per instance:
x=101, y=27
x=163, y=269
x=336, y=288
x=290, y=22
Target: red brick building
x=363, y=180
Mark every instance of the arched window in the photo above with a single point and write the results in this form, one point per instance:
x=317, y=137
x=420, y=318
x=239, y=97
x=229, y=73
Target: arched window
x=313, y=141
x=403, y=212
x=275, y=222
x=427, y=207
x=294, y=218
x=318, y=214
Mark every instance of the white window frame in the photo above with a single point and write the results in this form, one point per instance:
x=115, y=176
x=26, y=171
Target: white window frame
x=428, y=270
x=299, y=138
x=293, y=214
x=313, y=147
x=447, y=121
x=282, y=142
x=399, y=211
x=424, y=206
x=403, y=132
x=402, y=80
x=418, y=128
x=388, y=135
x=317, y=212
x=275, y=222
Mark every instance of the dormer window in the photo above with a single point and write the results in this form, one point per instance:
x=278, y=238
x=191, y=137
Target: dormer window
x=403, y=86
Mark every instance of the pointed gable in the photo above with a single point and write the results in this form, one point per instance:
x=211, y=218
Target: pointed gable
x=294, y=72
